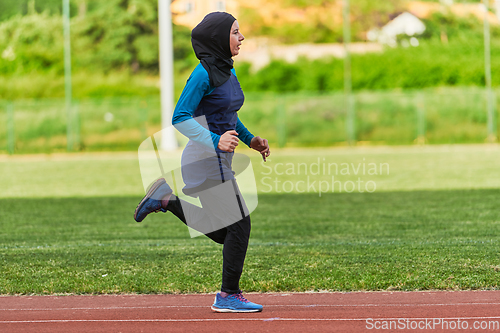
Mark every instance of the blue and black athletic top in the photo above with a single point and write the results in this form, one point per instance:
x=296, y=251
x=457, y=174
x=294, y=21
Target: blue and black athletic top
x=219, y=106
x=203, y=113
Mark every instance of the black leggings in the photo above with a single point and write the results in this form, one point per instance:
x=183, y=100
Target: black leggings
x=234, y=237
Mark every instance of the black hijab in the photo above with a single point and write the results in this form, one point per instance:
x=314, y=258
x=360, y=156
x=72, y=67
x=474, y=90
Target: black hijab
x=210, y=39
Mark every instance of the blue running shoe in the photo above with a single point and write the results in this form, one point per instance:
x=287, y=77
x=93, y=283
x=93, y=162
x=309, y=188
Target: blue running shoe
x=152, y=200
x=234, y=303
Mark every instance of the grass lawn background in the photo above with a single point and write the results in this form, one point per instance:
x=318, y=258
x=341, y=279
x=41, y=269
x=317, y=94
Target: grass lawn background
x=66, y=226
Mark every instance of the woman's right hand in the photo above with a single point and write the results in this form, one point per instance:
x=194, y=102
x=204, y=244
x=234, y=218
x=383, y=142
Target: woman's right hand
x=228, y=141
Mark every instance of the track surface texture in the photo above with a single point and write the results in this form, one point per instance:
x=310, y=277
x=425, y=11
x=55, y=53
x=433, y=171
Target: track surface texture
x=435, y=311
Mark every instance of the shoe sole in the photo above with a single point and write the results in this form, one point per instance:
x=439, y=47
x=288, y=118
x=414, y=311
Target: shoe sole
x=233, y=311
x=153, y=188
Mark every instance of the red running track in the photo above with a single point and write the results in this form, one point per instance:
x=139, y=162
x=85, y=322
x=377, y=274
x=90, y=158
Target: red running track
x=284, y=312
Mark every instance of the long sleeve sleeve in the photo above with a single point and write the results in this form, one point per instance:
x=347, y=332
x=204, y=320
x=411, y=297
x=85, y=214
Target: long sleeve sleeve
x=243, y=133
x=197, y=86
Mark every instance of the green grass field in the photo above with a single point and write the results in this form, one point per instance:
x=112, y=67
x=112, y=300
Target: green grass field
x=432, y=223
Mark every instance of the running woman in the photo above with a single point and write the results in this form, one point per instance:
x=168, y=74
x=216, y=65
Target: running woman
x=207, y=114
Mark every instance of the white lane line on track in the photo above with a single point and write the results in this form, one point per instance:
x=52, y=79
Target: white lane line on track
x=226, y=319
x=266, y=305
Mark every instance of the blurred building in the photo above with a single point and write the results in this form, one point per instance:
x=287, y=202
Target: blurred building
x=260, y=51
x=190, y=12
x=405, y=24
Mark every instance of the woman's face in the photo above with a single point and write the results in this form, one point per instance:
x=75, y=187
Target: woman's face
x=235, y=39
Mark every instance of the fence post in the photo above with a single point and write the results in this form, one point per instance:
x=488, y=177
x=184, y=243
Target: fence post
x=281, y=121
x=420, y=119
x=76, y=124
x=349, y=100
x=143, y=118
x=350, y=119
x=490, y=105
x=67, y=72
x=492, y=135
x=69, y=126
x=11, y=141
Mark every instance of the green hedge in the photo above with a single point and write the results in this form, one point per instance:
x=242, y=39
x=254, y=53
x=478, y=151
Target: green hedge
x=432, y=64
x=116, y=36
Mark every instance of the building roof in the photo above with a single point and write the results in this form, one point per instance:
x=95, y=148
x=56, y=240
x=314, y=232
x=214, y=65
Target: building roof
x=403, y=24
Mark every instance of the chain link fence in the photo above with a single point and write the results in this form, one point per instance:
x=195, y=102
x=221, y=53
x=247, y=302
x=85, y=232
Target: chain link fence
x=444, y=116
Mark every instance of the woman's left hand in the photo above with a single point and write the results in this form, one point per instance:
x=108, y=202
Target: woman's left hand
x=261, y=145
